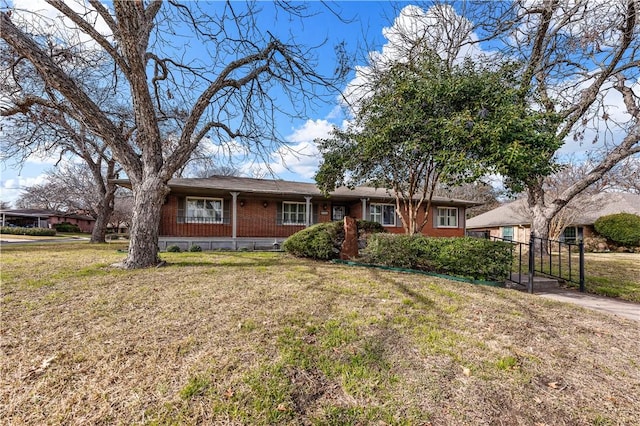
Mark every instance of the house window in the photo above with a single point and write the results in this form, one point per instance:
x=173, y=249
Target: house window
x=507, y=233
x=447, y=217
x=384, y=214
x=569, y=235
x=204, y=210
x=294, y=213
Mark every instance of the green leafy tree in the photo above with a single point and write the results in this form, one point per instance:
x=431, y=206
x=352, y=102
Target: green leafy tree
x=429, y=122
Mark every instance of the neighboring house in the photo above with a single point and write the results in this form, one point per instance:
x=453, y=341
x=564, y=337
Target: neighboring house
x=512, y=221
x=36, y=218
x=236, y=212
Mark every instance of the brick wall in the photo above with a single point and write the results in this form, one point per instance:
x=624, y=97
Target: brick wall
x=259, y=217
x=83, y=224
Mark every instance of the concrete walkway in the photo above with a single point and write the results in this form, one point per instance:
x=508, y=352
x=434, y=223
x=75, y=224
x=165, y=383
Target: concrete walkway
x=621, y=308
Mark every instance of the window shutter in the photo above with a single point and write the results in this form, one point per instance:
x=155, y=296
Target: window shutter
x=226, y=210
x=181, y=210
x=279, y=213
x=434, y=213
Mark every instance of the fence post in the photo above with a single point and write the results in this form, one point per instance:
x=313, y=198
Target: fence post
x=581, y=248
x=532, y=259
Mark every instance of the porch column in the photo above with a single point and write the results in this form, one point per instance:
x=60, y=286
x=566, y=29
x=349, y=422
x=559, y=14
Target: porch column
x=364, y=208
x=234, y=219
x=308, y=215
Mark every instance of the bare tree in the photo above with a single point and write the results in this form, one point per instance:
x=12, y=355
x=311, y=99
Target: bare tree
x=5, y=205
x=625, y=177
x=122, y=211
x=480, y=192
x=47, y=196
x=72, y=188
x=223, y=92
x=576, y=56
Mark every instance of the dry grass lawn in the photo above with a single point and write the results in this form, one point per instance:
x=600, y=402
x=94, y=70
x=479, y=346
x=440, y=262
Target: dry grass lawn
x=262, y=338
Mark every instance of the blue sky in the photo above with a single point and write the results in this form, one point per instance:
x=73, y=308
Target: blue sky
x=360, y=26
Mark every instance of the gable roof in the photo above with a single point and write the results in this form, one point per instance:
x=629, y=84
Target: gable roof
x=591, y=208
x=279, y=188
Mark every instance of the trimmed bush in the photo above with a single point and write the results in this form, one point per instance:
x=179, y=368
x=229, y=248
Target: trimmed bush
x=320, y=241
x=66, y=227
x=621, y=228
x=369, y=227
x=39, y=232
x=195, y=248
x=392, y=250
x=174, y=249
x=324, y=240
x=466, y=257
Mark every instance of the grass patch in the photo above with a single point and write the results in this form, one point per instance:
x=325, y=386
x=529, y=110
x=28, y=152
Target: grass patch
x=262, y=339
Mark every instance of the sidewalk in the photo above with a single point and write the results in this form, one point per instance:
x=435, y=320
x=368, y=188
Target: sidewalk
x=621, y=308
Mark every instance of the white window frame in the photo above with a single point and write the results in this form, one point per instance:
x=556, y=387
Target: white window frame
x=444, y=216
x=571, y=239
x=508, y=237
x=191, y=215
x=378, y=215
x=301, y=215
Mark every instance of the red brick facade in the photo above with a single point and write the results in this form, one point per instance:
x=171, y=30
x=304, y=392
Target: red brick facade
x=261, y=217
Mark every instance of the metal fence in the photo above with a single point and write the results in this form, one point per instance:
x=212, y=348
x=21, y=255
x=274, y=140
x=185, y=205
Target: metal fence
x=552, y=258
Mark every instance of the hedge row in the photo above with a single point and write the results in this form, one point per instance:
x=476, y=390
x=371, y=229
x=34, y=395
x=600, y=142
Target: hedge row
x=466, y=257
x=27, y=231
x=67, y=227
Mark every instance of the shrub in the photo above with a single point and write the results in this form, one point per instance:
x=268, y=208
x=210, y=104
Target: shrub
x=369, y=227
x=467, y=257
x=320, y=241
x=195, y=248
x=473, y=257
x=392, y=250
x=16, y=230
x=621, y=228
x=173, y=249
x=66, y=227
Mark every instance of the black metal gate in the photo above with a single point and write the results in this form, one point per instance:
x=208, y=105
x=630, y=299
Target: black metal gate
x=557, y=259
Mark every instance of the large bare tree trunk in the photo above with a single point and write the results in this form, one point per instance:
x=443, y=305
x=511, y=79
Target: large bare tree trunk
x=148, y=198
x=104, y=209
x=540, y=216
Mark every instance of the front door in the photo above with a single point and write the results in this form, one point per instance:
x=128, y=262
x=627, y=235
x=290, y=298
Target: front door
x=338, y=212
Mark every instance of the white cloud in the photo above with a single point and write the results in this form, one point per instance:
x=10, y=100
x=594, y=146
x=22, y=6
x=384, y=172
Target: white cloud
x=12, y=188
x=40, y=17
x=438, y=29
x=300, y=156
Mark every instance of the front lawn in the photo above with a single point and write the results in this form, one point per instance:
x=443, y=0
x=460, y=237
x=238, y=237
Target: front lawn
x=263, y=338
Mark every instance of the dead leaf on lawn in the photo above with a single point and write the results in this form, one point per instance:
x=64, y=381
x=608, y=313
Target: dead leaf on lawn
x=466, y=371
x=37, y=371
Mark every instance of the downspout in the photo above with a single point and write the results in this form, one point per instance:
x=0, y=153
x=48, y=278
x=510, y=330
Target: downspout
x=234, y=219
